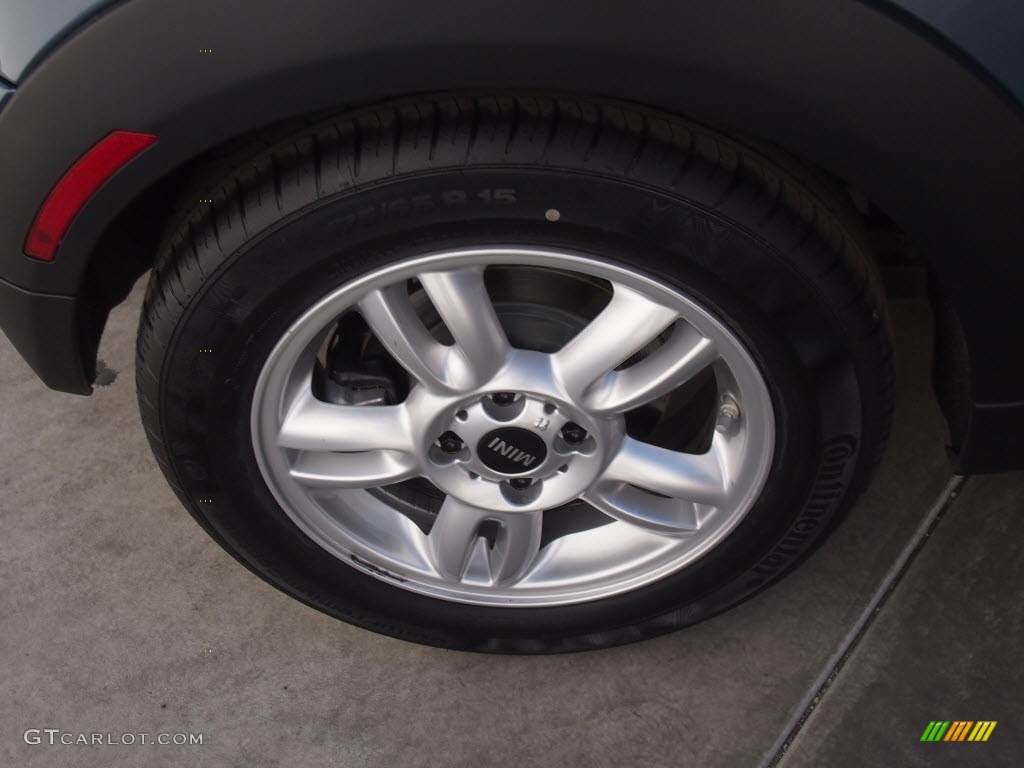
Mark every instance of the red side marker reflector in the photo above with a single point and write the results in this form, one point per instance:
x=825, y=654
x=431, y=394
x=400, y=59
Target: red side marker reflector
x=73, y=191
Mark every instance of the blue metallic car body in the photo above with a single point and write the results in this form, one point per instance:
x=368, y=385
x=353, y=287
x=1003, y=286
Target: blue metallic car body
x=29, y=28
x=987, y=30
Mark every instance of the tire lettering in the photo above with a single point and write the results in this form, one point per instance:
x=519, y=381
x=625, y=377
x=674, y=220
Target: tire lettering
x=829, y=487
x=423, y=203
x=399, y=209
x=454, y=198
x=505, y=197
x=403, y=207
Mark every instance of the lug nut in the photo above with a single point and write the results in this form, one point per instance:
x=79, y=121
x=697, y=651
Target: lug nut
x=503, y=398
x=520, y=483
x=450, y=442
x=573, y=433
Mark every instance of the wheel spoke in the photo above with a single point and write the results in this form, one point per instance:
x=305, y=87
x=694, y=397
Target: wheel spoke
x=369, y=469
x=626, y=325
x=683, y=356
x=454, y=540
x=461, y=299
x=394, y=321
x=654, y=513
x=313, y=425
x=694, y=477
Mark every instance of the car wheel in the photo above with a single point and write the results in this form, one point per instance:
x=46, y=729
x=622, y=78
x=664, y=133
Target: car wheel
x=514, y=373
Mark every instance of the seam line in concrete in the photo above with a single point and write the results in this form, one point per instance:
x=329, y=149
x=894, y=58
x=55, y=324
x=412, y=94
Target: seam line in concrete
x=851, y=640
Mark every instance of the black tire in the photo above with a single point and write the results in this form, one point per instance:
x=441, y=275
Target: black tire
x=739, y=232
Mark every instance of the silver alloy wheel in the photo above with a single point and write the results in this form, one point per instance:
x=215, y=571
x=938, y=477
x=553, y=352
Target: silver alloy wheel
x=561, y=436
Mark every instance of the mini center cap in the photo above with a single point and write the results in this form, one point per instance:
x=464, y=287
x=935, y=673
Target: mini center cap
x=511, y=450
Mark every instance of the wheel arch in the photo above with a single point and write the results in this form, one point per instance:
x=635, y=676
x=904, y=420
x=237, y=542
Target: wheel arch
x=846, y=87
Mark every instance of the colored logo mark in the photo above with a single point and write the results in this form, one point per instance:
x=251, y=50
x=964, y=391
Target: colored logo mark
x=958, y=730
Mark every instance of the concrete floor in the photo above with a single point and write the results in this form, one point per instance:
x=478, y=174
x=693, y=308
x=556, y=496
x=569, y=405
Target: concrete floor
x=119, y=615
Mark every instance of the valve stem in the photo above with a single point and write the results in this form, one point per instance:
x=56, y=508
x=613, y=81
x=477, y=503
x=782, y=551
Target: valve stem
x=728, y=414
